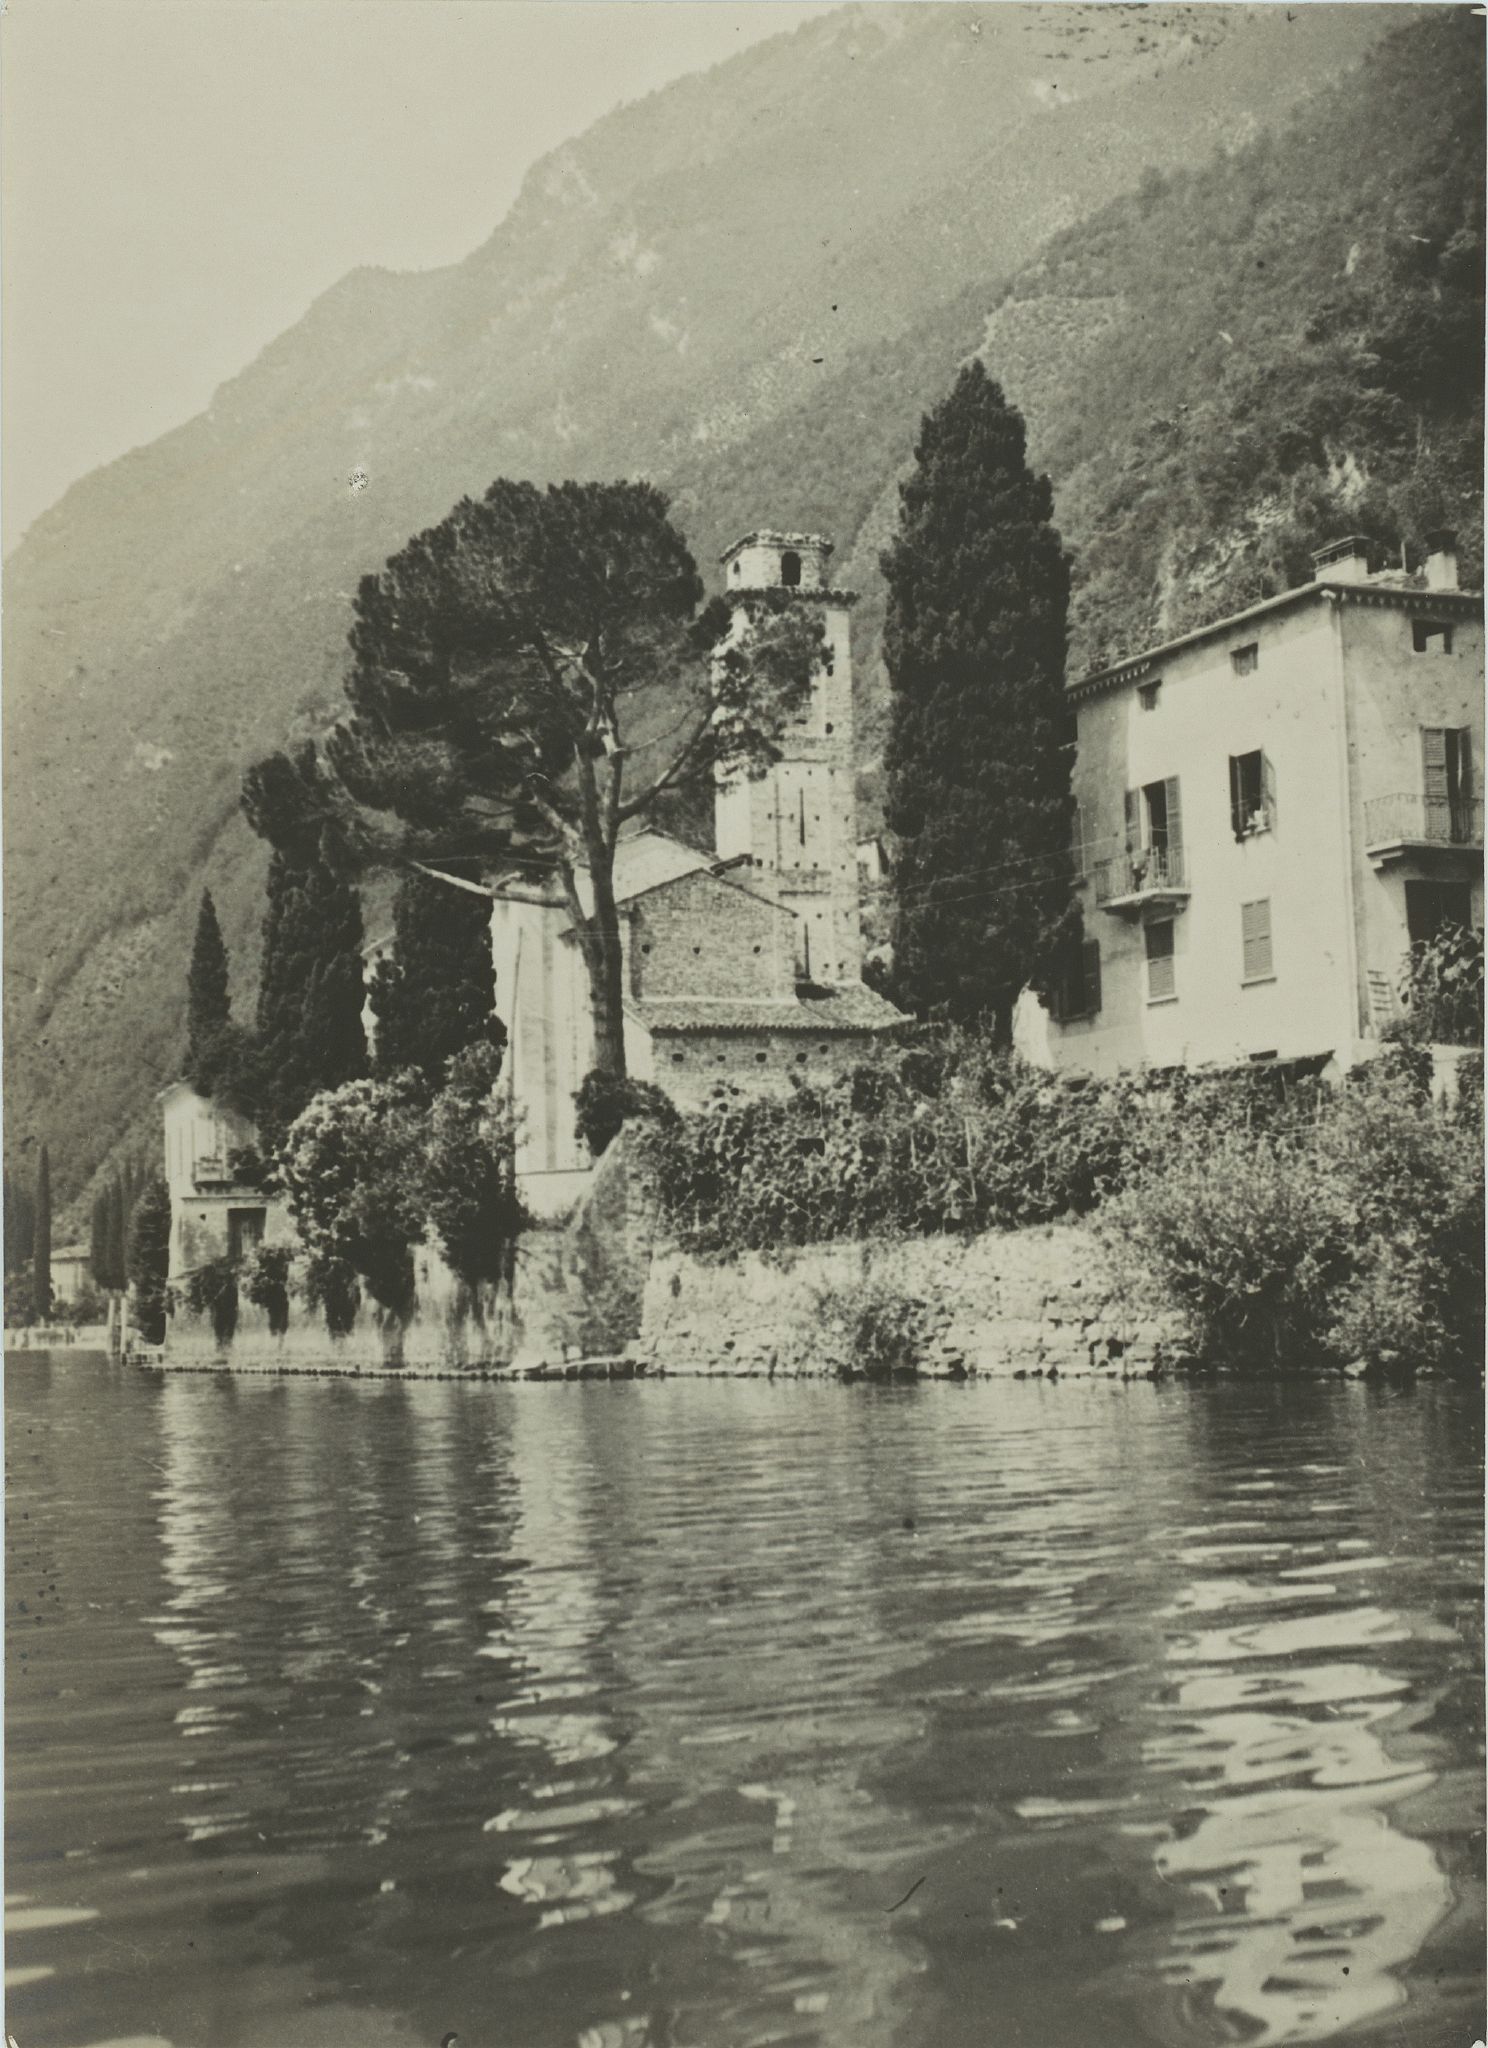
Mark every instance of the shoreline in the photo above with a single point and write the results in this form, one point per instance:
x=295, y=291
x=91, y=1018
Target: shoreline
x=622, y=1371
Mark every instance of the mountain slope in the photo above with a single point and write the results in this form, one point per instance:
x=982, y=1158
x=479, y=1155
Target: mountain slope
x=748, y=285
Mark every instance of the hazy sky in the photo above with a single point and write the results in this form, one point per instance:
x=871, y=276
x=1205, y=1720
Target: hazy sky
x=182, y=177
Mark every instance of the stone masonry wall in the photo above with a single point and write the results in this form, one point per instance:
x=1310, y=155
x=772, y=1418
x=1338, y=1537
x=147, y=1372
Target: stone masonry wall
x=1019, y=1302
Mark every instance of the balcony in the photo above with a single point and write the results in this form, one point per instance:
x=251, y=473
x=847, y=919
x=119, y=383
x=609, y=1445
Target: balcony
x=1408, y=827
x=1151, y=878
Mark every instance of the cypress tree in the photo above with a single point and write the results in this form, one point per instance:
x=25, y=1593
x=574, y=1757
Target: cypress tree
x=41, y=1243
x=208, y=1005
x=980, y=743
x=149, y=1259
x=19, y=1221
x=98, y=1237
x=436, y=993
x=310, y=1031
x=117, y=1237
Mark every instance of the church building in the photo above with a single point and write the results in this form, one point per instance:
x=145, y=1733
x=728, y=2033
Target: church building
x=742, y=966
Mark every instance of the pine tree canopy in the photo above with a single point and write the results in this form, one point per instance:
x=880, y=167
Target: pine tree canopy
x=980, y=745
x=530, y=674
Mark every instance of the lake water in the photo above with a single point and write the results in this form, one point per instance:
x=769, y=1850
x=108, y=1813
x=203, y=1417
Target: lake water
x=697, y=1715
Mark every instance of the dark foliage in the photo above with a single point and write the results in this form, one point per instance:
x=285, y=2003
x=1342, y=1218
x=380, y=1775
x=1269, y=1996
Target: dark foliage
x=1354, y=1235
x=538, y=669
x=331, y=1286
x=266, y=1284
x=41, y=1240
x=20, y=1224
x=213, y=1047
x=212, y=1291
x=310, y=1034
x=1441, y=986
x=108, y=1236
x=149, y=1259
x=605, y=1101
x=435, y=993
x=468, y=1171
x=351, y=1167
x=947, y=1134
x=980, y=742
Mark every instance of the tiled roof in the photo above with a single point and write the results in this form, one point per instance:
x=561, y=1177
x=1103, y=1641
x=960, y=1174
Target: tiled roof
x=848, y=1007
x=647, y=859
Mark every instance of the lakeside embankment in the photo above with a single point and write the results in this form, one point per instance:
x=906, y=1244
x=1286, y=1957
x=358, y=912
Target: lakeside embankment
x=978, y=1221
x=1001, y=1305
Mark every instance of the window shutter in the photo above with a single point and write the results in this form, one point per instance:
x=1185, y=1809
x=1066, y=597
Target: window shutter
x=1090, y=953
x=1161, y=973
x=1133, y=822
x=1237, y=808
x=1175, y=831
x=1434, y=762
x=1268, y=790
x=1255, y=939
x=1465, y=764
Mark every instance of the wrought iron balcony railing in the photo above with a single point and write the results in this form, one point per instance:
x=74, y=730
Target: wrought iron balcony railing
x=1149, y=875
x=1405, y=820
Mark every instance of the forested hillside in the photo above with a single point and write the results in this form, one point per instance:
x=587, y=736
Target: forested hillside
x=1225, y=337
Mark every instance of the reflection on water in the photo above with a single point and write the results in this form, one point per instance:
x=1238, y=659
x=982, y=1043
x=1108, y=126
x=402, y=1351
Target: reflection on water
x=622, y=1716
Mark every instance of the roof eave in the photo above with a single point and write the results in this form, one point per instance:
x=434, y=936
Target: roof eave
x=1454, y=603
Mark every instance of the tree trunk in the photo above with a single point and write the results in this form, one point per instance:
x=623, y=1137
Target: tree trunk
x=606, y=964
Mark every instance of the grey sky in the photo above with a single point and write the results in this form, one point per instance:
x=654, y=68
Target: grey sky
x=182, y=177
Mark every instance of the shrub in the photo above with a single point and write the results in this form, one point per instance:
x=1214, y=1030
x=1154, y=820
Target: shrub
x=469, y=1177
x=350, y=1167
x=331, y=1286
x=212, y=1291
x=1441, y=986
x=266, y=1283
x=1245, y=1236
x=606, y=1101
x=874, y=1328
x=941, y=1134
x=1353, y=1232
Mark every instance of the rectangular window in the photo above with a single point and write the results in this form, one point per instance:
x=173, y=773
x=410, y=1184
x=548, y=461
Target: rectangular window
x=1431, y=636
x=1162, y=983
x=1447, y=782
x=1255, y=941
x=1148, y=694
x=245, y=1229
x=1431, y=905
x=1155, y=831
x=1245, y=660
x=1252, y=795
x=1446, y=779
x=1079, y=991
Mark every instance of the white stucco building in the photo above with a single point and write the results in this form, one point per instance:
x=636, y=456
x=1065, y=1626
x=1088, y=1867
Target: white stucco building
x=1271, y=810
x=215, y=1211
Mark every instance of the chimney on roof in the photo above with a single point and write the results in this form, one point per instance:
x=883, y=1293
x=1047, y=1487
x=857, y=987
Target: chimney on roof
x=1342, y=561
x=1441, y=559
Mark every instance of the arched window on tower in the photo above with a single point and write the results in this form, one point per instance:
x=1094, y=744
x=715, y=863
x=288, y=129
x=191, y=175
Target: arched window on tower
x=790, y=569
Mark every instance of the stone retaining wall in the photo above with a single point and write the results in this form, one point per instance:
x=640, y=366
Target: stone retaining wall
x=1018, y=1302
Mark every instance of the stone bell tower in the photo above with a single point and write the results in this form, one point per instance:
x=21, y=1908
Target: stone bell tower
x=798, y=823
